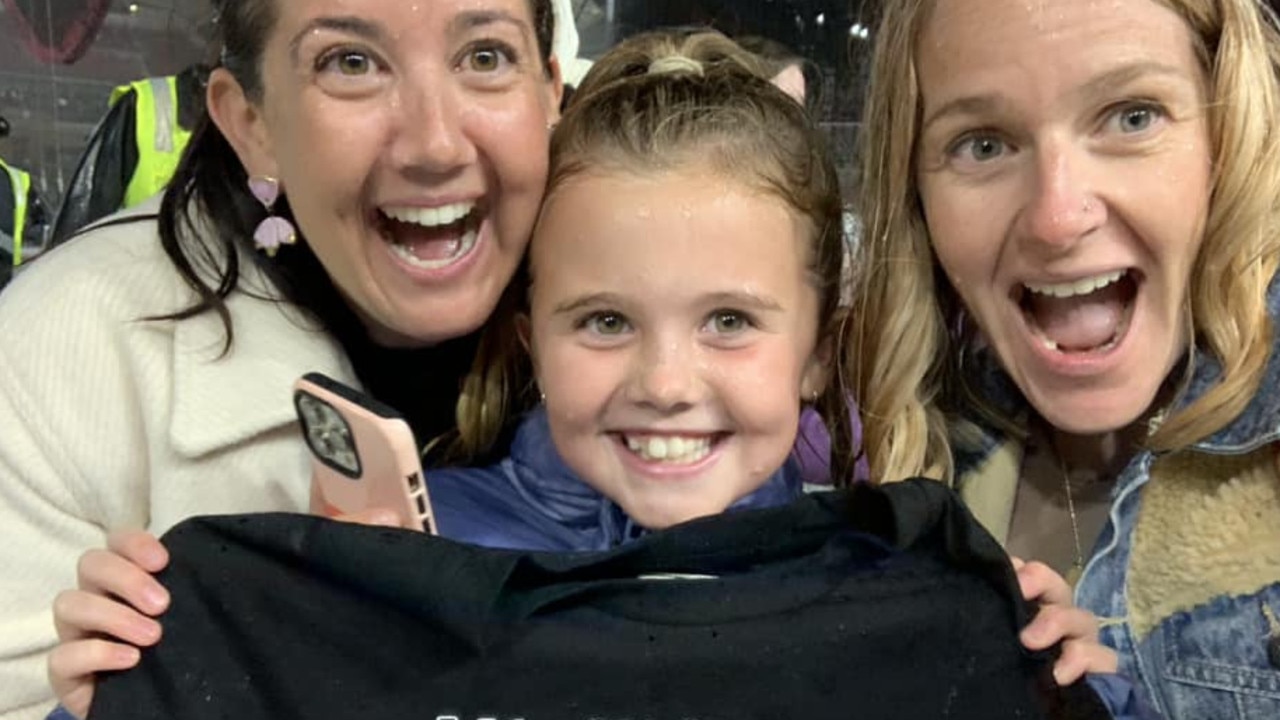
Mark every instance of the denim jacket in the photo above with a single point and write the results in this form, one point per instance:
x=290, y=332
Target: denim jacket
x=1185, y=576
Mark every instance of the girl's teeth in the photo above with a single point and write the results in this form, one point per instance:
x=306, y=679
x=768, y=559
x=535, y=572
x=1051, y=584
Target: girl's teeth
x=674, y=450
x=1083, y=286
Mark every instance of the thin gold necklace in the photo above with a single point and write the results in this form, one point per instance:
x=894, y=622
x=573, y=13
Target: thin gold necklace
x=1077, y=565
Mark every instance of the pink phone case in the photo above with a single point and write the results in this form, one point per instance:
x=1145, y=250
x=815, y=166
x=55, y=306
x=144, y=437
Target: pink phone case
x=363, y=454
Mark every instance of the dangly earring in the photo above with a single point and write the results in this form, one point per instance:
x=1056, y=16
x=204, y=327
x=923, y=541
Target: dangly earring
x=273, y=231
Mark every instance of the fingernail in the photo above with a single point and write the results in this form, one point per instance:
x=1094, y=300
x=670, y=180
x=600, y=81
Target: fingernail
x=149, y=631
x=1057, y=676
x=155, y=598
x=1031, y=638
x=127, y=654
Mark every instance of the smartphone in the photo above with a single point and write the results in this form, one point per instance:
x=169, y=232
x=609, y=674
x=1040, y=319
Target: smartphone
x=363, y=454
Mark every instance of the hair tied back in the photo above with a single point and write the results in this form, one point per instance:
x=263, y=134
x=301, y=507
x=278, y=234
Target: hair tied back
x=676, y=64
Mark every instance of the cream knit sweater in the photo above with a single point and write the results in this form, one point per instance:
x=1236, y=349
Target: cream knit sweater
x=110, y=421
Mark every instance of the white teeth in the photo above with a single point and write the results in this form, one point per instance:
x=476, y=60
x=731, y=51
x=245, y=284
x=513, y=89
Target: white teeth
x=460, y=248
x=674, y=449
x=430, y=217
x=1083, y=286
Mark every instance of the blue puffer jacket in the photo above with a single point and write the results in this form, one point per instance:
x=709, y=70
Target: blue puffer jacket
x=533, y=501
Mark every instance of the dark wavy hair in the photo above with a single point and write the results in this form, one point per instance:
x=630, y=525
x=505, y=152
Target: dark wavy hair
x=207, y=216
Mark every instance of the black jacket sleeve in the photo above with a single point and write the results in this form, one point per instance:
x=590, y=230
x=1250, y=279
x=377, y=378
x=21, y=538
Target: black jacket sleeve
x=97, y=189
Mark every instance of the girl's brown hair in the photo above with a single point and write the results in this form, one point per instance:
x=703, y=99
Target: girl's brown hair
x=665, y=101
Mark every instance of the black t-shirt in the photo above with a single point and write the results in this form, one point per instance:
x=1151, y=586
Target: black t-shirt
x=874, y=604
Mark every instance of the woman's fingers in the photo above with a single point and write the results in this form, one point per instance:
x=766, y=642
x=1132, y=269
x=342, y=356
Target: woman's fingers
x=79, y=614
x=72, y=666
x=1041, y=584
x=103, y=572
x=1060, y=621
x=1080, y=657
x=1054, y=623
x=139, y=547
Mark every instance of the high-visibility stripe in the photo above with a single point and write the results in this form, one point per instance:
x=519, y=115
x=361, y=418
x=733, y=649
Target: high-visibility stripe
x=20, y=183
x=157, y=134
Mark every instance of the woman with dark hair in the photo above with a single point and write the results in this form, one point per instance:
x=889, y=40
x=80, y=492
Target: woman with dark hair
x=355, y=202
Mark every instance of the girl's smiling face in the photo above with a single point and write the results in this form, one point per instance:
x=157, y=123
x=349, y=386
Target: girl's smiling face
x=673, y=324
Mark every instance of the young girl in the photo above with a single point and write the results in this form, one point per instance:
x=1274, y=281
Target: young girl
x=684, y=267
x=682, y=278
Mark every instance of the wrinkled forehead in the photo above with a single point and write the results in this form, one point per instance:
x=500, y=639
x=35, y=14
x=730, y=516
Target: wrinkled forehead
x=428, y=24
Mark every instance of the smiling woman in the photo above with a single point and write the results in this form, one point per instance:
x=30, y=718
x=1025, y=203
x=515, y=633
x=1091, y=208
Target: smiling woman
x=1066, y=308
x=356, y=200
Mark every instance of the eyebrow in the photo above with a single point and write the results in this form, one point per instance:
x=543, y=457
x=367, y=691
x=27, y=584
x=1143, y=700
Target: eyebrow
x=744, y=299
x=1100, y=85
x=349, y=24
x=473, y=19
x=584, y=301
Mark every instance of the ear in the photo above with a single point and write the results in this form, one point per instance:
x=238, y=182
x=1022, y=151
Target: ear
x=555, y=90
x=241, y=123
x=817, y=372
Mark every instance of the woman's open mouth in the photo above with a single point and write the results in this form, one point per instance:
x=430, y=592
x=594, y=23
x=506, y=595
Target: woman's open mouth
x=1089, y=315
x=431, y=238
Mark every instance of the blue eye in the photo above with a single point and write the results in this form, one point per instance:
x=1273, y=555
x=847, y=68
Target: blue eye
x=607, y=323
x=1136, y=118
x=980, y=148
x=728, y=322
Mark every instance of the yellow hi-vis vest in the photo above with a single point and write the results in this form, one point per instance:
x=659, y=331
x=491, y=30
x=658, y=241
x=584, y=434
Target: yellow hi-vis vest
x=21, y=185
x=159, y=137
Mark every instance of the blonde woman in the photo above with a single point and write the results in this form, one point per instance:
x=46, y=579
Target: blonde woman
x=1065, y=310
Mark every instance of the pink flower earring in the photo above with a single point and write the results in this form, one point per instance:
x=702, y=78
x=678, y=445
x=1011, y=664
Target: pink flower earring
x=274, y=231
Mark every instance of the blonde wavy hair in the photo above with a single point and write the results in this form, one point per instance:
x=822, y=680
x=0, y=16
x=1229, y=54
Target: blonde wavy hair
x=660, y=102
x=904, y=345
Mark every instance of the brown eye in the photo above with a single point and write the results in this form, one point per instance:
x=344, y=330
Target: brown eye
x=485, y=61
x=353, y=63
